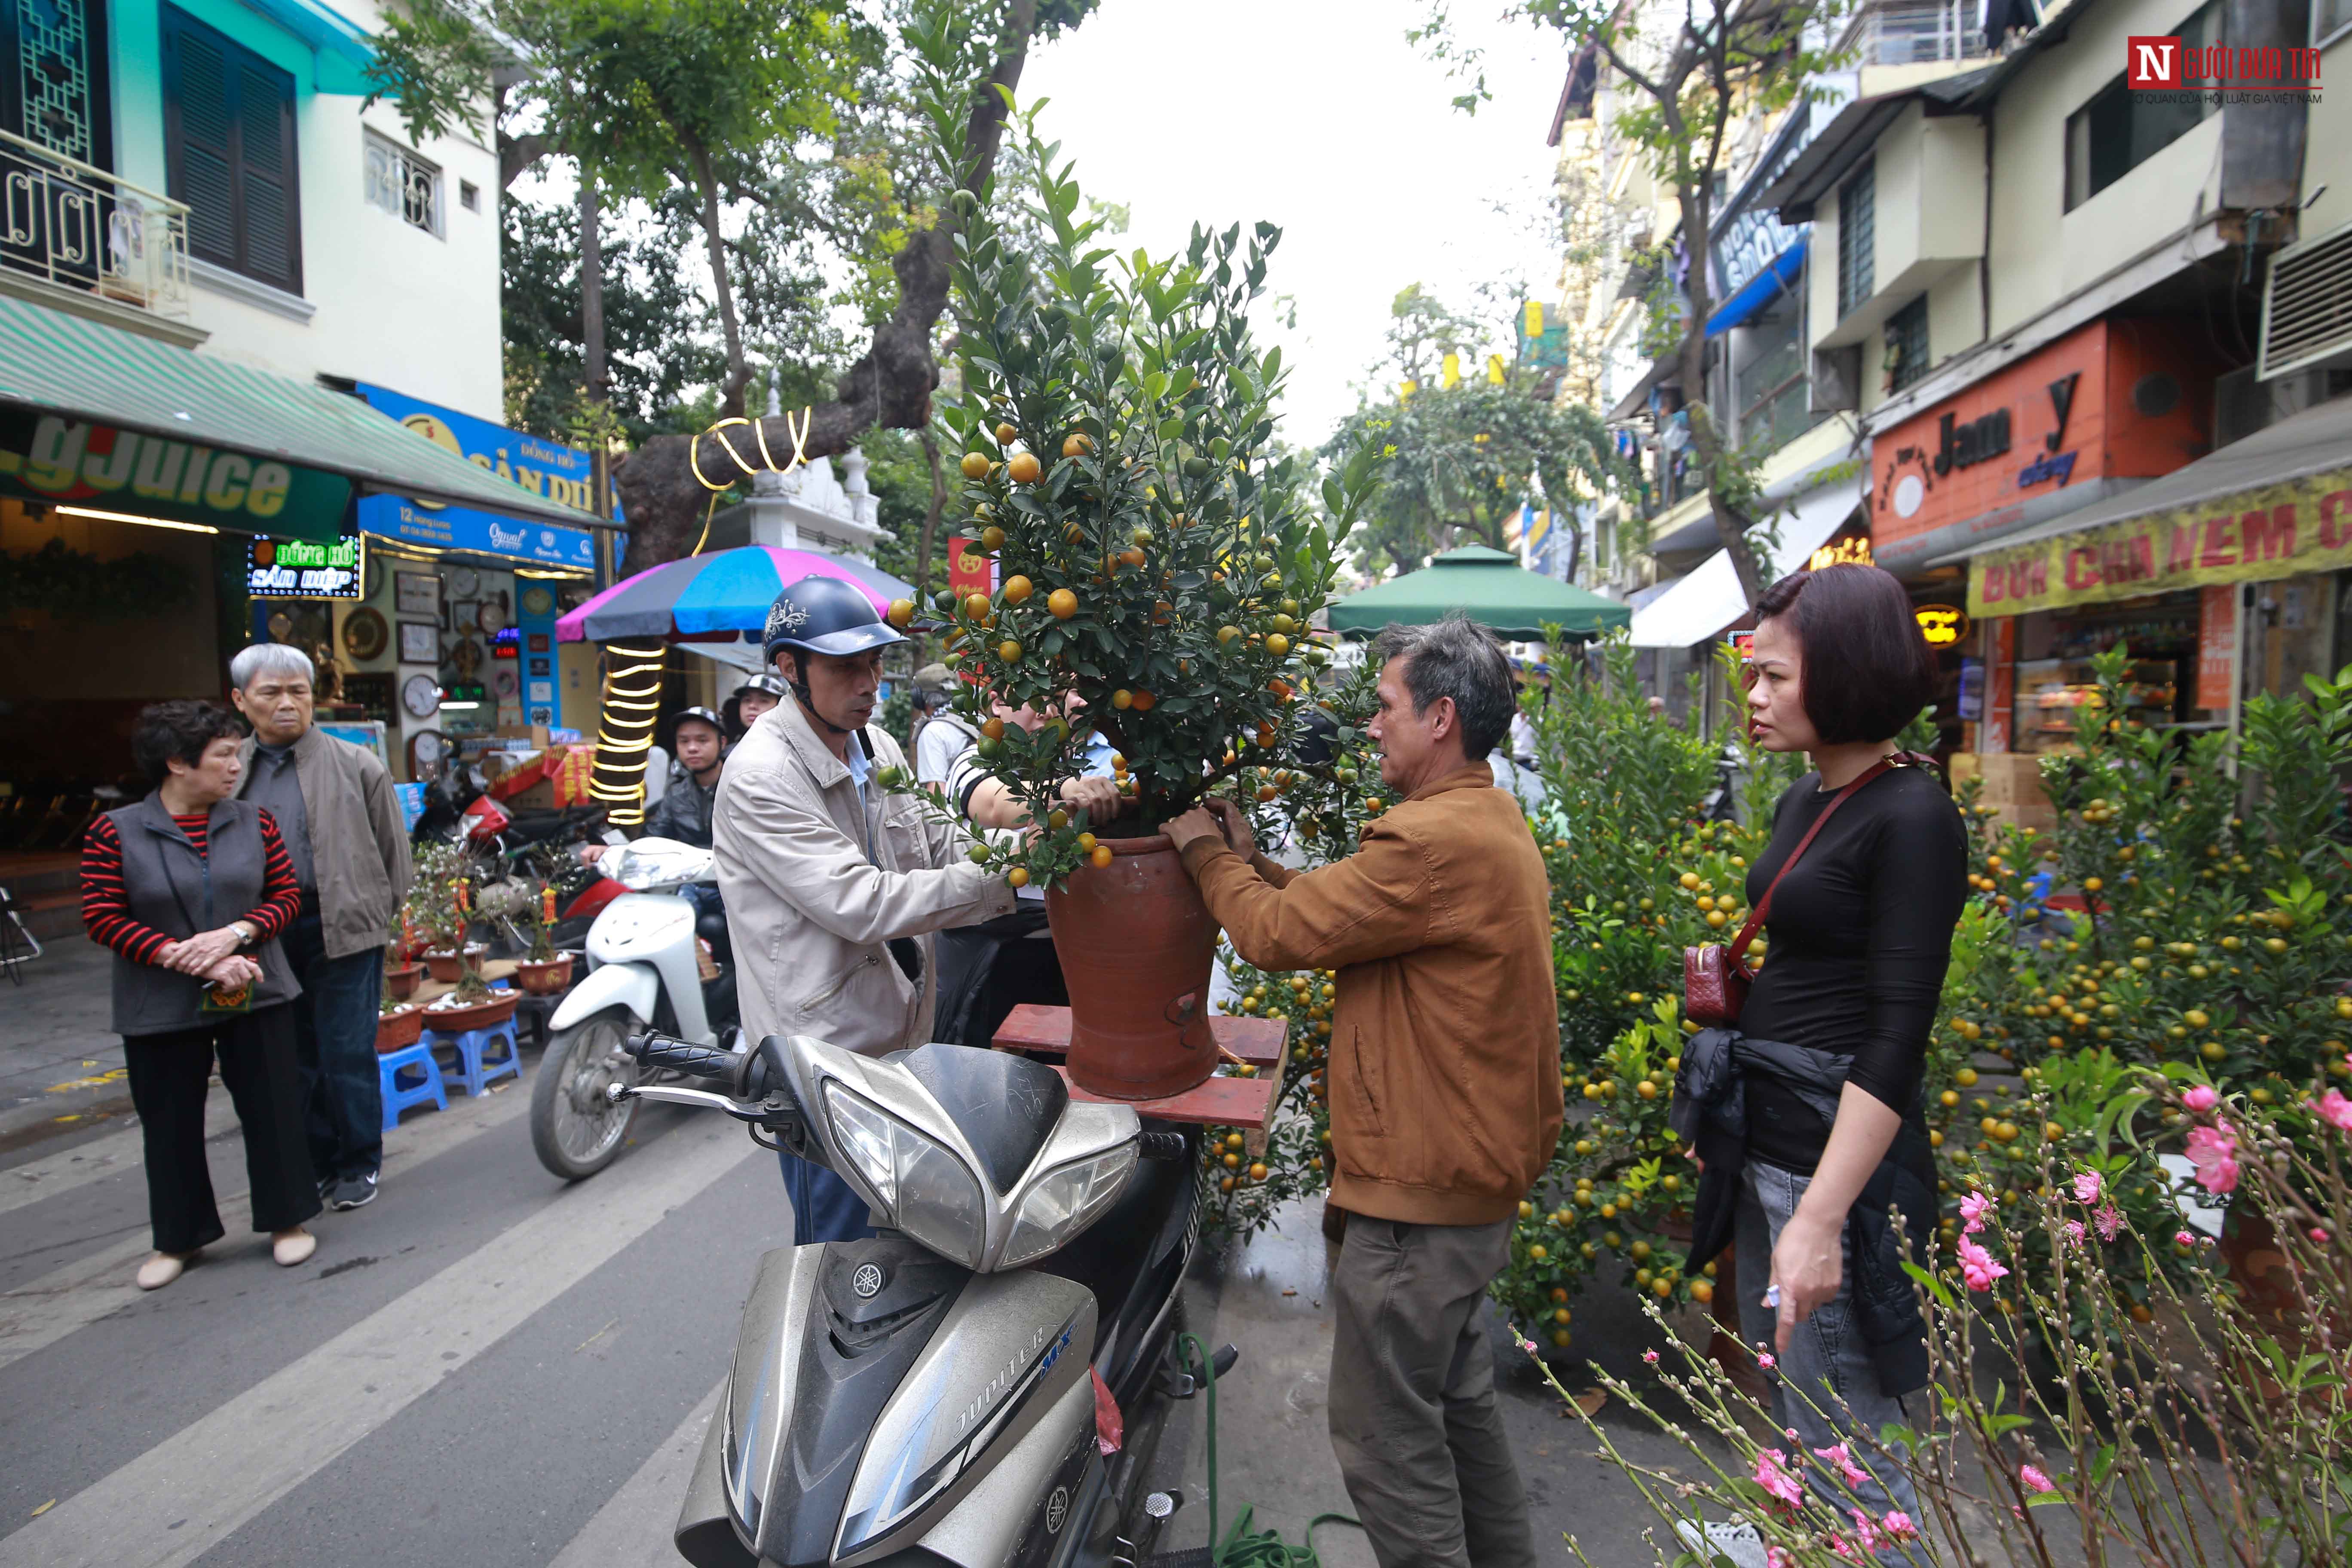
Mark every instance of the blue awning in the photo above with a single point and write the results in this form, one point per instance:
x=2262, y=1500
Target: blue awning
x=1758, y=291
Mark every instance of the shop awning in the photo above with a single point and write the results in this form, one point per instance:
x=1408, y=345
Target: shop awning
x=1490, y=587
x=56, y=363
x=1709, y=598
x=1758, y=291
x=2275, y=504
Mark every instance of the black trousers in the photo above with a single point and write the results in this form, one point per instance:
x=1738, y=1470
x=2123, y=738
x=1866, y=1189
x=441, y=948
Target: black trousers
x=169, y=1074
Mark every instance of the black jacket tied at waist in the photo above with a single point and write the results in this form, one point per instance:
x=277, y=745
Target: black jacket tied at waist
x=1710, y=1112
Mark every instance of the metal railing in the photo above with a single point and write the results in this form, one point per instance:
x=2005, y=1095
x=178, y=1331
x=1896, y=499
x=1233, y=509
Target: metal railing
x=1915, y=32
x=76, y=227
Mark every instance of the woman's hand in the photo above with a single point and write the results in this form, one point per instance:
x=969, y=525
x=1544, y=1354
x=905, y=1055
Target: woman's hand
x=232, y=971
x=198, y=954
x=1099, y=798
x=1808, y=1264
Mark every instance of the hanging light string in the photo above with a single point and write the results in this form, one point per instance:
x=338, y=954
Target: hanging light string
x=624, y=736
x=768, y=463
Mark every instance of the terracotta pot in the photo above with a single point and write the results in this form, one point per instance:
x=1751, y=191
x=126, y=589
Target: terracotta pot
x=403, y=979
x=544, y=979
x=1136, y=944
x=398, y=1029
x=480, y=1016
x=445, y=966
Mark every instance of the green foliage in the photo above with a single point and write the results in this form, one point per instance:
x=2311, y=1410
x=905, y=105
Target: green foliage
x=71, y=584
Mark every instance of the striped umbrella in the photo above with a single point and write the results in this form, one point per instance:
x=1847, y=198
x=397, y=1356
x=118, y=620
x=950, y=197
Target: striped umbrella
x=727, y=592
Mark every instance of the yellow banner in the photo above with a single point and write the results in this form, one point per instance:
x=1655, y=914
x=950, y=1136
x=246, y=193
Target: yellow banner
x=2273, y=531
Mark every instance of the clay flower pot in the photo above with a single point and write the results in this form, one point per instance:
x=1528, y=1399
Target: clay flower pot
x=401, y=1026
x=1136, y=944
x=546, y=979
x=402, y=980
x=456, y=1017
x=447, y=967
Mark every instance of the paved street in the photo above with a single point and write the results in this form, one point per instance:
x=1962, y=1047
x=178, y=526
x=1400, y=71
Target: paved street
x=485, y=1366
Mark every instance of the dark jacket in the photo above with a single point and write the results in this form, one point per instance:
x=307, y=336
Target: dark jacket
x=180, y=893
x=1710, y=1111
x=683, y=812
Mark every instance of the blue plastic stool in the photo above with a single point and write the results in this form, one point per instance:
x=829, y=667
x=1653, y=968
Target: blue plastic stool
x=472, y=1046
x=397, y=1096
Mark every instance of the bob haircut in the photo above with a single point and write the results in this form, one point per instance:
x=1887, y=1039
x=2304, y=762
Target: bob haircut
x=181, y=730
x=1867, y=668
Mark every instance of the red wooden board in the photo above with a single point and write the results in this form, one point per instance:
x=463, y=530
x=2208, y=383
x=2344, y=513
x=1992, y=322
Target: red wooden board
x=1245, y=1102
x=1047, y=1032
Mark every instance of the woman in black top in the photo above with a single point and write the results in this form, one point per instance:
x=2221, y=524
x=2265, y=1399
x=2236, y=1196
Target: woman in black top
x=1861, y=934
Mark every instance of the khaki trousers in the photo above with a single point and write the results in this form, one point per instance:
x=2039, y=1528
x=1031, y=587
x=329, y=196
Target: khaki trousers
x=1413, y=1421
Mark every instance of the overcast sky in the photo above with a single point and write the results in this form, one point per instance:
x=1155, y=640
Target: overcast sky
x=1319, y=117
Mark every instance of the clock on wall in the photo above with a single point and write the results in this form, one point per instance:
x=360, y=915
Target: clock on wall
x=538, y=603
x=421, y=695
x=464, y=583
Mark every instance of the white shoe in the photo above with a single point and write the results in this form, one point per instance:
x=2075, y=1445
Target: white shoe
x=293, y=1249
x=1733, y=1541
x=162, y=1268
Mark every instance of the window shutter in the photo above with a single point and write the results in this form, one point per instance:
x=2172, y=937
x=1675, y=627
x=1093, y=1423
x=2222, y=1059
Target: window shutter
x=229, y=122
x=202, y=159
x=265, y=127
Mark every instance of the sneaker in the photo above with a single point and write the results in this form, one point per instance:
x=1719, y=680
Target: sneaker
x=352, y=1191
x=1731, y=1540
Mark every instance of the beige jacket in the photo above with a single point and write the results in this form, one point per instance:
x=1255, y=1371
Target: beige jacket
x=359, y=838
x=810, y=913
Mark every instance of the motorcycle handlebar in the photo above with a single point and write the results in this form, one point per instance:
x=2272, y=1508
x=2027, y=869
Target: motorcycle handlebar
x=1169, y=1146
x=677, y=1056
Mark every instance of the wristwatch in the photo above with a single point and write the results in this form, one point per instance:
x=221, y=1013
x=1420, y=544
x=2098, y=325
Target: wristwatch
x=247, y=937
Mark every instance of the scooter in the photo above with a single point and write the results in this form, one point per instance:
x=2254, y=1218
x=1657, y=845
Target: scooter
x=985, y=1382
x=644, y=972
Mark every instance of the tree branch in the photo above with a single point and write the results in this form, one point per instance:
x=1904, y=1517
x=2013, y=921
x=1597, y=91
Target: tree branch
x=517, y=154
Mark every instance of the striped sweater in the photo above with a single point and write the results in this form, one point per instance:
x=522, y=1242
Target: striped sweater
x=106, y=902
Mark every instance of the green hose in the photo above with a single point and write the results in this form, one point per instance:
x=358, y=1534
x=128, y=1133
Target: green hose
x=1242, y=1547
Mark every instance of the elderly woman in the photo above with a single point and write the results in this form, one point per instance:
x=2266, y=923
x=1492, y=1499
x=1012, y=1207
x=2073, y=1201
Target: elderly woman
x=191, y=889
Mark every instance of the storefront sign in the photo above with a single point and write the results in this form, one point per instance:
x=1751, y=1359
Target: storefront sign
x=1854, y=550
x=1941, y=624
x=97, y=467
x=303, y=568
x=2278, y=531
x=2217, y=647
x=544, y=467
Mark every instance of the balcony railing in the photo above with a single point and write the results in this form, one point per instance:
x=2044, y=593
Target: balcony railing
x=1915, y=32
x=78, y=227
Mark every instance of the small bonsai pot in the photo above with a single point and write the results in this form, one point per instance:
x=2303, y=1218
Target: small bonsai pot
x=447, y=967
x=547, y=979
x=398, y=1029
x=402, y=980
x=455, y=1018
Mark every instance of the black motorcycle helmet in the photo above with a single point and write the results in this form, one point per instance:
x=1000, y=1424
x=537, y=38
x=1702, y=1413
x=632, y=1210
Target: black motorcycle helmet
x=824, y=615
x=769, y=684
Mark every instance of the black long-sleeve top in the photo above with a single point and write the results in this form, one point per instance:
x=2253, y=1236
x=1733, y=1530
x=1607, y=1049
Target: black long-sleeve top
x=1861, y=935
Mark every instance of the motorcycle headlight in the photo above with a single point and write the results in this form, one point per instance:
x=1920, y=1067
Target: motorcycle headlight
x=1065, y=1201
x=931, y=1194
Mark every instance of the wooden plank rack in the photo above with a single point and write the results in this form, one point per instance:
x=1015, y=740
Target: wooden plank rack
x=1220, y=1101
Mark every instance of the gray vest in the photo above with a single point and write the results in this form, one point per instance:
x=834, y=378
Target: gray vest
x=179, y=892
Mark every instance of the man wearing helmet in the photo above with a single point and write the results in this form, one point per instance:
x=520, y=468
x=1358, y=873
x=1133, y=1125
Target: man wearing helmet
x=684, y=811
x=748, y=701
x=832, y=884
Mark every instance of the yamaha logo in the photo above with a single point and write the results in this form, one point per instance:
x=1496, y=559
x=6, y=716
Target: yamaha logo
x=1057, y=1508
x=866, y=1282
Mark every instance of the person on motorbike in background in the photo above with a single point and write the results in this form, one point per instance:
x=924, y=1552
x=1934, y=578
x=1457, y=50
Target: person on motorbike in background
x=987, y=970
x=943, y=735
x=699, y=740
x=747, y=701
x=834, y=881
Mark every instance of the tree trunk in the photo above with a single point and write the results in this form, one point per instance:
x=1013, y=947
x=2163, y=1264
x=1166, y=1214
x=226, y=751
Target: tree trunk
x=1575, y=547
x=890, y=387
x=931, y=527
x=1730, y=523
x=592, y=288
x=706, y=180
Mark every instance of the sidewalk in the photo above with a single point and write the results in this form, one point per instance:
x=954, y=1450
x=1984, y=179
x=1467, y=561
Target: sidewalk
x=61, y=1066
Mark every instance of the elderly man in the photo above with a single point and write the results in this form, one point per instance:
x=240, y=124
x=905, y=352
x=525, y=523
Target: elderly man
x=1444, y=1088
x=833, y=882
x=348, y=842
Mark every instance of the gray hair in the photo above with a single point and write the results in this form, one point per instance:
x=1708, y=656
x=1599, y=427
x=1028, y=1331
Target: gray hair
x=1457, y=658
x=256, y=659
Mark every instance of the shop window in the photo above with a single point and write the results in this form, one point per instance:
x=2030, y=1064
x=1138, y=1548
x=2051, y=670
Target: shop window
x=469, y=196
x=1857, y=239
x=1769, y=383
x=2329, y=17
x=403, y=185
x=2119, y=129
x=1906, y=344
x=228, y=131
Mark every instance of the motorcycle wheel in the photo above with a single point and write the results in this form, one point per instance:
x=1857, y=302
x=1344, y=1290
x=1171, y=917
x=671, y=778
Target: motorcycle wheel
x=574, y=1130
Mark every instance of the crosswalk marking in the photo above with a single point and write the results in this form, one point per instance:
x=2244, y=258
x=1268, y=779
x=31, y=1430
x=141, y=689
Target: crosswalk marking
x=182, y=1498
x=40, y=1312
x=634, y=1529
x=37, y=1180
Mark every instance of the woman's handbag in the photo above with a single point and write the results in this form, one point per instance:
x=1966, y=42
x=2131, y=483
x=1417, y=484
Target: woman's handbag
x=1715, y=978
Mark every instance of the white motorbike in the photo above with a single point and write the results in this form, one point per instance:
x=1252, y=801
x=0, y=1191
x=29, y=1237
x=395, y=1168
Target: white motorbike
x=644, y=972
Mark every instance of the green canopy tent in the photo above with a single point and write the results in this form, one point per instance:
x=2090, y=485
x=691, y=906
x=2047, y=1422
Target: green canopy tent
x=1490, y=587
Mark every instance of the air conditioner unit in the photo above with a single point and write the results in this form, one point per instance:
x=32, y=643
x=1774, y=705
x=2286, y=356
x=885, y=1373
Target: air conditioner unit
x=2308, y=306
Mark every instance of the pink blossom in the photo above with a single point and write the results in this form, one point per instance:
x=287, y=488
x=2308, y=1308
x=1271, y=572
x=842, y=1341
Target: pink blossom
x=2319, y=1235
x=1651, y=1357
x=2199, y=1098
x=2182, y=1238
x=1898, y=1526
x=2035, y=1481
x=2074, y=1232
x=2214, y=1153
x=2110, y=1221
x=1777, y=1557
x=1977, y=1266
x=2086, y=1186
x=1836, y=1454
x=1865, y=1533
x=1764, y=1359
x=1973, y=1208
x=2335, y=1109
x=1773, y=1475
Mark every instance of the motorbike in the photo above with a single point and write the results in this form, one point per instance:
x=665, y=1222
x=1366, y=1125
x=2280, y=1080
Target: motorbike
x=644, y=972
x=983, y=1384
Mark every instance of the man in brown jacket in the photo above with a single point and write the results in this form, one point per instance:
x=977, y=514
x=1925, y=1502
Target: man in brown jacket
x=1446, y=1099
